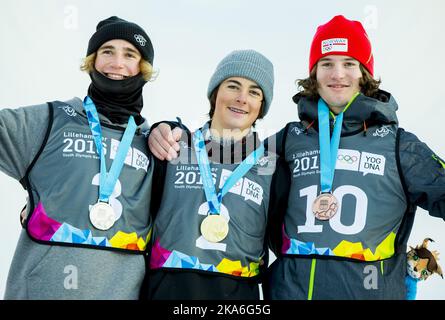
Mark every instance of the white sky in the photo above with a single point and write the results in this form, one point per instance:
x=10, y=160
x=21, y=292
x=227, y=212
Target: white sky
x=43, y=42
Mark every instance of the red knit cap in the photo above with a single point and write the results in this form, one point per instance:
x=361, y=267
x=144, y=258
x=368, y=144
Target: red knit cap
x=341, y=36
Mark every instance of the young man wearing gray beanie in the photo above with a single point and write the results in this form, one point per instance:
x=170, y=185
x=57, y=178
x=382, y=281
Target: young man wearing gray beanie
x=88, y=173
x=209, y=233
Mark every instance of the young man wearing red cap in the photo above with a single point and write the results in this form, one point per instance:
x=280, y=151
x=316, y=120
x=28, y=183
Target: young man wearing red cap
x=353, y=180
x=88, y=173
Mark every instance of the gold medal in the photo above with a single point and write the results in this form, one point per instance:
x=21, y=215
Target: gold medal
x=214, y=228
x=102, y=216
x=325, y=206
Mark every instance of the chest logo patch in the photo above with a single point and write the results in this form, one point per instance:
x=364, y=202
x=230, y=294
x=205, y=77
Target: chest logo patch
x=381, y=132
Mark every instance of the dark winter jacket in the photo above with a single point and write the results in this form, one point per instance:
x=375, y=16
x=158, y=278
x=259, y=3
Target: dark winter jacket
x=382, y=174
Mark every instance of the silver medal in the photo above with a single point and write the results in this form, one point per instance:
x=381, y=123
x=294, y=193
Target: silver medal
x=102, y=216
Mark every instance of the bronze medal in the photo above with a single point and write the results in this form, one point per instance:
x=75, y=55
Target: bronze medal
x=325, y=206
x=214, y=228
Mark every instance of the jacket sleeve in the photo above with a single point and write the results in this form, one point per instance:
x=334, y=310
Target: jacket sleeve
x=159, y=174
x=275, y=143
x=172, y=124
x=22, y=132
x=279, y=192
x=423, y=174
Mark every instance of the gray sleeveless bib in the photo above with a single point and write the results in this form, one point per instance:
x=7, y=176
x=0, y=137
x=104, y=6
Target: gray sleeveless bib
x=63, y=184
x=368, y=189
x=178, y=240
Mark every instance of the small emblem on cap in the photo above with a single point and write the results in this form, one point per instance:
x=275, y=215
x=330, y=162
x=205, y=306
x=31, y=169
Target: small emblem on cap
x=334, y=45
x=140, y=39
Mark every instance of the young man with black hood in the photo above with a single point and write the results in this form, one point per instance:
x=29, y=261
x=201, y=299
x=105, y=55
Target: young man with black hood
x=88, y=173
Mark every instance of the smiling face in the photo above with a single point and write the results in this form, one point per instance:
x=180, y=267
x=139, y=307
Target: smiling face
x=118, y=59
x=338, y=79
x=237, y=106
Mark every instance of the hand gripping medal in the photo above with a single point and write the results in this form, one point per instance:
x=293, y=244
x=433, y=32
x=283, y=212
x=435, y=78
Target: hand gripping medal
x=215, y=227
x=102, y=215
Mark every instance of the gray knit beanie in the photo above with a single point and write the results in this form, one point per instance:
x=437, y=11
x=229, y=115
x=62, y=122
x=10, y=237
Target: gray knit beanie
x=248, y=64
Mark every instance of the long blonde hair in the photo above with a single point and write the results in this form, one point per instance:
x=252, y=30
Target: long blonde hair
x=145, y=67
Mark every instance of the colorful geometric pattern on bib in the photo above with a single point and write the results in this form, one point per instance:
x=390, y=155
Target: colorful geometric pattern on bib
x=346, y=249
x=44, y=228
x=163, y=258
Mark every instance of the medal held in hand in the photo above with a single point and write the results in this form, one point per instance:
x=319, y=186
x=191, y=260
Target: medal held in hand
x=102, y=215
x=215, y=227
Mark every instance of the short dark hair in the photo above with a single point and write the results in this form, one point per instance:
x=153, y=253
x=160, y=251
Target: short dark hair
x=309, y=88
x=213, y=106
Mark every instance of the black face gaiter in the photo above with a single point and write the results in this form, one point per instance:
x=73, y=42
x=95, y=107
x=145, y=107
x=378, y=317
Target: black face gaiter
x=117, y=99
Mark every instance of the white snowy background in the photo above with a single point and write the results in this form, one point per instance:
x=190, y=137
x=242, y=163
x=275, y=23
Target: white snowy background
x=43, y=42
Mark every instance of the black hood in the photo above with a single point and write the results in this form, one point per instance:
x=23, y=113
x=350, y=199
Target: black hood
x=378, y=110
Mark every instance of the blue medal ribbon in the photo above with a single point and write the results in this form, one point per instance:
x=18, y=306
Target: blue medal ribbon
x=107, y=180
x=328, y=147
x=214, y=200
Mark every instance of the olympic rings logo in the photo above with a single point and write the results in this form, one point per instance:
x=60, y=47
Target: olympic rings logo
x=347, y=158
x=140, y=39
